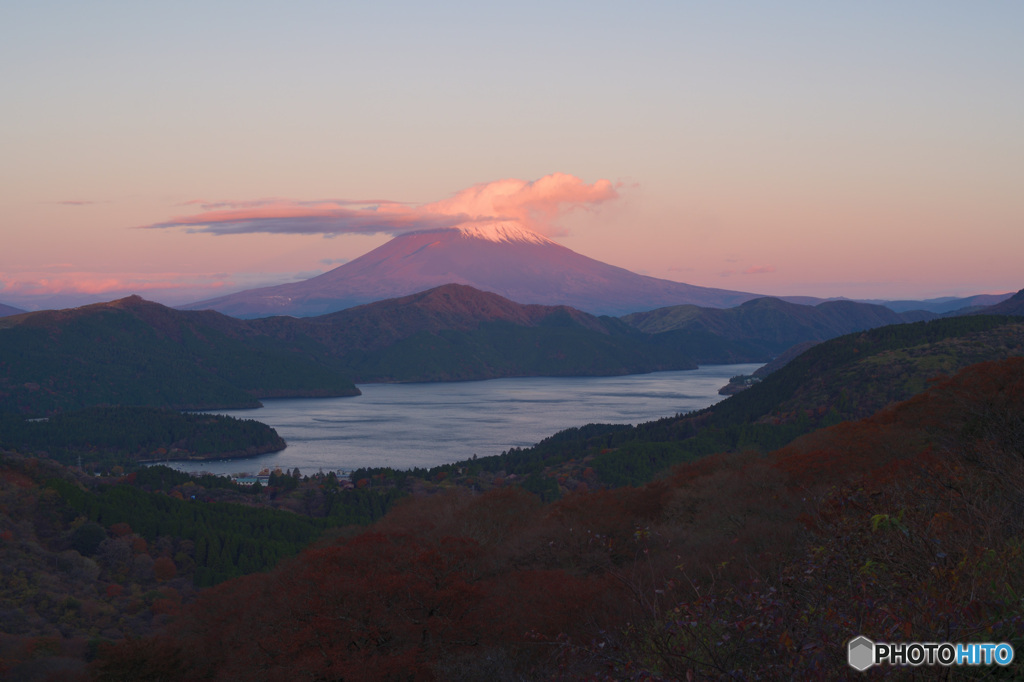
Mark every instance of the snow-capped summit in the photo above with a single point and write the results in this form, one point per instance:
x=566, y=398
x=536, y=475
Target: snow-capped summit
x=502, y=257
x=502, y=231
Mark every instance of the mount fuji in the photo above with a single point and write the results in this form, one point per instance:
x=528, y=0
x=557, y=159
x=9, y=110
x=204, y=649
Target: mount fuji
x=502, y=257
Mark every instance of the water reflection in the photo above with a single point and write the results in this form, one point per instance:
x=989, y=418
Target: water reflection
x=408, y=425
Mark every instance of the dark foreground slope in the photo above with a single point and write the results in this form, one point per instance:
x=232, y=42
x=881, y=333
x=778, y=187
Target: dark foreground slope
x=89, y=559
x=900, y=527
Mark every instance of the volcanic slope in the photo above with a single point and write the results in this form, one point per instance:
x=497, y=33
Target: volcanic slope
x=503, y=258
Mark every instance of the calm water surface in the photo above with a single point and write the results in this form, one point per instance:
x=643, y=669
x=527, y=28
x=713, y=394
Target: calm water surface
x=410, y=425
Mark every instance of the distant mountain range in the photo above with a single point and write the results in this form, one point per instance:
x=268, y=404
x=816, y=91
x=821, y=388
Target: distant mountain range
x=770, y=325
x=6, y=310
x=947, y=304
x=503, y=258
x=456, y=332
x=135, y=352
x=511, y=261
x=1014, y=305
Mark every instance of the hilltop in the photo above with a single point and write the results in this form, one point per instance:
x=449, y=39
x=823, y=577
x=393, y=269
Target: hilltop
x=135, y=352
x=456, y=332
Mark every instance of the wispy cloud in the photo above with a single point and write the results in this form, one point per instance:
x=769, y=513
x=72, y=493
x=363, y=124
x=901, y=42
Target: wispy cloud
x=752, y=270
x=326, y=218
x=535, y=204
x=38, y=284
x=73, y=202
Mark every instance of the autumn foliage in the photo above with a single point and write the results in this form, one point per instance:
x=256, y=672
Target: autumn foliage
x=902, y=526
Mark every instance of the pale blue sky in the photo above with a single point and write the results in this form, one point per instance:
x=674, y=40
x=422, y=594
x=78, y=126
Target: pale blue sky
x=868, y=150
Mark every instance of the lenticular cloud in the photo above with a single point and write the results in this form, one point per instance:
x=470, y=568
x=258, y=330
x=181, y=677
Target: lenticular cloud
x=535, y=205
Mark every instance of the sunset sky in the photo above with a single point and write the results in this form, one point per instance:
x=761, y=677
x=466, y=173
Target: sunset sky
x=183, y=150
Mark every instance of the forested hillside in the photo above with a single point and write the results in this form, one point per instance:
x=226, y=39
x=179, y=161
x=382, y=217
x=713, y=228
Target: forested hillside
x=760, y=535
x=456, y=332
x=846, y=378
x=769, y=324
x=133, y=352
x=86, y=560
x=899, y=526
x=103, y=437
x=1011, y=306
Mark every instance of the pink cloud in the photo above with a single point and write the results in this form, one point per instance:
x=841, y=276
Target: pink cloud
x=256, y=203
x=325, y=217
x=535, y=204
x=759, y=270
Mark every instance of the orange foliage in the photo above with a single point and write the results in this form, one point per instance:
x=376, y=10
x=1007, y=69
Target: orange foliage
x=164, y=569
x=119, y=530
x=898, y=526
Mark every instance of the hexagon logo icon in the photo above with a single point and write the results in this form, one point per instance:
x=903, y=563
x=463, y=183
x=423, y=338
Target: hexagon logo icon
x=860, y=653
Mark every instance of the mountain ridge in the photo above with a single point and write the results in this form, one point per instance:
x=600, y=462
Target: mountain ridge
x=135, y=352
x=1014, y=305
x=6, y=310
x=524, y=269
x=448, y=307
x=771, y=324
x=456, y=332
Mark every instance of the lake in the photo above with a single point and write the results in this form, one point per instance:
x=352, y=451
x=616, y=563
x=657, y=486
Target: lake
x=423, y=425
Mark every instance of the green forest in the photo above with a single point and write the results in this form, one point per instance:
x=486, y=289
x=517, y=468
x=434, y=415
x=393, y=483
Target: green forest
x=104, y=437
